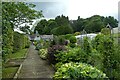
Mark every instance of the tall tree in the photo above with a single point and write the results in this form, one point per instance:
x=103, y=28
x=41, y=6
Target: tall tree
x=62, y=20
x=40, y=26
x=14, y=14
x=111, y=20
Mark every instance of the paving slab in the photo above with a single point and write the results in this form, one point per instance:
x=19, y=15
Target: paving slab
x=35, y=67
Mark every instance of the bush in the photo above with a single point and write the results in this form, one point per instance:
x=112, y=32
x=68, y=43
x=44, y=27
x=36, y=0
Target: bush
x=78, y=71
x=76, y=33
x=38, y=46
x=67, y=36
x=72, y=55
x=105, y=31
x=72, y=45
x=55, y=41
x=61, y=40
x=55, y=49
x=86, y=45
x=73, y=39
x=19, y=42
x=43, y=53
x=105, y=45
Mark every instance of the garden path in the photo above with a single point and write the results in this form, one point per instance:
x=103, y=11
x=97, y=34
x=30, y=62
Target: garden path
x=35, y=67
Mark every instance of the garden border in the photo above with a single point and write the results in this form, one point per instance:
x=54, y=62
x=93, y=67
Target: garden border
x=18, y=71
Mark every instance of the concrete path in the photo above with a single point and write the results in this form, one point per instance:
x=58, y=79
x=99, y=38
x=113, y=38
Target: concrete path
x=35, y=67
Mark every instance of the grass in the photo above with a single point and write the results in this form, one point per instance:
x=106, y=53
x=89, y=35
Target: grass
x=17, y=55
x=9, y=72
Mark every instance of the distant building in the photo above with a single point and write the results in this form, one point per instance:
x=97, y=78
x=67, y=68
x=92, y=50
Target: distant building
x=91, y=36
x=37, y=37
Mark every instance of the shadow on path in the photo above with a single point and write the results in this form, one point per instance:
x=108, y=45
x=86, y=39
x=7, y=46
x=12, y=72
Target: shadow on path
x=35, y=67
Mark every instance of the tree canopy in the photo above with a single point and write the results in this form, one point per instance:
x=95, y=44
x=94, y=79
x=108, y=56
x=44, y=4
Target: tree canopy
x=13, y=15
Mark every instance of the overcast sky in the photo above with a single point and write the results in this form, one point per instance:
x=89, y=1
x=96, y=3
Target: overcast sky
x=75, y=8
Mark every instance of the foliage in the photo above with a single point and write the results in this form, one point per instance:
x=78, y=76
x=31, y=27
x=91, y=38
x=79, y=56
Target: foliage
x=41, y=44
x=59, y=26
x=86, y=45
x=20, y=41
x=93, y=24
x=54, y=50
x=104, y=44
x=78, y=71
x=61, y=40
x=62, y=20
x=67, y=36
x=62, y=30
x=43, y=53
x=7, y=38
x=13, y=15
x=111, y=20
x=72, y=45
x=73, y=39
x=19, y=12
x=19, y=54
x=40, y=26
x=9, y=72
x=72, y=54
x=106, y=31
x=76, y=33
x=78, y=25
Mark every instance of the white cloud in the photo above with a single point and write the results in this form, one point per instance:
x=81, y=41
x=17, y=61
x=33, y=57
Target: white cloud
x=87, y=8
x=82, y=8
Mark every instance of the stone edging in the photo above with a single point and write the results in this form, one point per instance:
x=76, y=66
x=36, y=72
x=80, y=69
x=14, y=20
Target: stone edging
x=16, y=75
x=26, y=53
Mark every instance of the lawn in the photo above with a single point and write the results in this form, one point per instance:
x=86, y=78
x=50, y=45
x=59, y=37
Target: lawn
x=17, y=55
x=9, y=72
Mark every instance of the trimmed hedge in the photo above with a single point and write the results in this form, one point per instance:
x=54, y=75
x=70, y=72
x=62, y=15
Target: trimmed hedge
x=20, y=41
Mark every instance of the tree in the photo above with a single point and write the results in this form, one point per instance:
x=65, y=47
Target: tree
x=62, y=20
x=94, y=24
x=111, y=20
x=62, y=30
x=14, y=14
x=64, y=26
x=52, y=24
x=19, y=12
x=40, y=26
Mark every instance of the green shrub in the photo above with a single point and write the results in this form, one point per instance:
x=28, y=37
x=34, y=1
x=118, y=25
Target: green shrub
x=86, y=45
x=73, y=39
x=72, y=55
x=52, y=51
x=20, y=41
x=78, y=71
x=61, y=40
x=67, y=36
x=72, y=45
x=43, y=53
x=105, y=45
x=76, y=33
x=105, y=31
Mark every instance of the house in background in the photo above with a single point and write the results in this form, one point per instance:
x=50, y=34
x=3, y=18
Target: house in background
x=38, y=37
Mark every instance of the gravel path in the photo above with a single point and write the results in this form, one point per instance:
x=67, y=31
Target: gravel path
x=35, y=67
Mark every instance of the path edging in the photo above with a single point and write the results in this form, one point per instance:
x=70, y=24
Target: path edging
x=16, y=75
